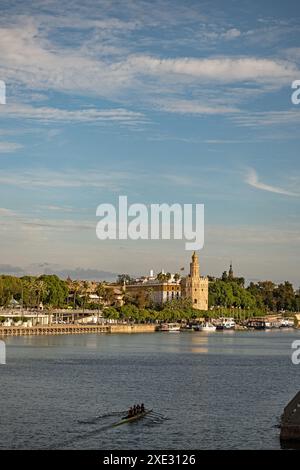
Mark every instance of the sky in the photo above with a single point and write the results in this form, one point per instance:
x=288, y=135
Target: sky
x=162, y=101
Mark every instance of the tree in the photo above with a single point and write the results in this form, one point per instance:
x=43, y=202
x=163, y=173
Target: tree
x=10, y=287
x=111, y=313
x=230, y=294
x=284, y=296
x=224, y=276
x=125, y=279
x=130, y=312
x=85, y=290
x=100, y=291
x=142, y=298
x=76, y=290
x=161, y=277
x=264, y=290
x=109, y=296
x=56, y=291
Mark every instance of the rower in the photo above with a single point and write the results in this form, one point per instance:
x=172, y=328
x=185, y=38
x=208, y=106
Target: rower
x=138, y=409
x=142, y=408
x=134, y=410
x=130, y=412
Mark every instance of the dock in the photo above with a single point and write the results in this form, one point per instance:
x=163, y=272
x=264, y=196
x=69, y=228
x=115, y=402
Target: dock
x=71, y=329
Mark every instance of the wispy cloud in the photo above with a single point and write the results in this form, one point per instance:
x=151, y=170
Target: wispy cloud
x=9, y=147
x=4, y=212
x=44, y=178
x=45, y=63
x=223, y=69
x=193, y=107
x=54, y=208
x=267, y=118
x=253, y=180
x=48, y=114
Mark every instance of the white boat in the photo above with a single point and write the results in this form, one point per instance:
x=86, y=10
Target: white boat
x=270, y=325
x=226, y=324
x=229, y=324
x=170, y=327
x=285, y=323
x=207, y=327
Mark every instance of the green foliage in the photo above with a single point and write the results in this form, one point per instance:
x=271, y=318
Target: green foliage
x=125, y=279
x=10, y=287
x=54, y=292
x=226, y=296
x=257, y=298
x=111, y=313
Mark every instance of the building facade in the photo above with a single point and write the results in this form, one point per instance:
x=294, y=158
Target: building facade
x=158, y=292
x=195, y=287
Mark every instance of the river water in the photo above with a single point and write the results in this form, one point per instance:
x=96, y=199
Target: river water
x=222, y=390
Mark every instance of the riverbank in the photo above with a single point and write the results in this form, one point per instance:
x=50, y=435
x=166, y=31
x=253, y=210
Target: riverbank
x=74, y=329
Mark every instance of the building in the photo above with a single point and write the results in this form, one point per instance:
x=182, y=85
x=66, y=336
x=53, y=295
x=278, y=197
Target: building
x=159, y=291
x=194, y=286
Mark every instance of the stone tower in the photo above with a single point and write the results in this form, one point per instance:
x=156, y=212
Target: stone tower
x=195, y=287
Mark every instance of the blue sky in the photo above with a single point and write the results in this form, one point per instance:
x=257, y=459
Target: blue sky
x=164, y=101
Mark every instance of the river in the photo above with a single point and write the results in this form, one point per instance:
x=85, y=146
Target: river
x=222, y=390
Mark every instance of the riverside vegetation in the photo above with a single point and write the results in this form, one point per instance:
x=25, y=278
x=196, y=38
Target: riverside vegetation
x=227, y=297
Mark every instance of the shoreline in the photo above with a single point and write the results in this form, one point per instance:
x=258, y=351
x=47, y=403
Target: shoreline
x=74, y=329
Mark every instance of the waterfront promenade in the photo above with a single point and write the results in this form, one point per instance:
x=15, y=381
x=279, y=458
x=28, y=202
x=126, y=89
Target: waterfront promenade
x=71, y=329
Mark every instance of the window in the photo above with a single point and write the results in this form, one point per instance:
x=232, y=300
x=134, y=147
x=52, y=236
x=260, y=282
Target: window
x=195, y=301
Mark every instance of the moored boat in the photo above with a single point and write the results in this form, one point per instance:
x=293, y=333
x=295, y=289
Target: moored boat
x=226, y=324
x=207, y=326
x=286, y=323
x=170, y=327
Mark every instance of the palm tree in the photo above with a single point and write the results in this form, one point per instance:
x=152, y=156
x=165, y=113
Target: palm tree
x=109, y=296
x=86, y=286
x=161, y=277
x=76, y=288
x=39, y=288
x=100, y=291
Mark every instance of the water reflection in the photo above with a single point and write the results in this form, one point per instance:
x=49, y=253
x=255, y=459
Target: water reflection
x=199, y=344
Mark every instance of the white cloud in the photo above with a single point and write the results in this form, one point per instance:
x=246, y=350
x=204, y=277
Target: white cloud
x=194, y=107
x=253, y=180
x=56, y=208
x=267, y=118
x=231, y=34
x=4, y=212
x=108, y=180
x=223, y=69
x=32, y=60
x=79, y=115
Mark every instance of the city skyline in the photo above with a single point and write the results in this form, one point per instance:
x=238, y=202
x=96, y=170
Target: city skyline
x=181, y=103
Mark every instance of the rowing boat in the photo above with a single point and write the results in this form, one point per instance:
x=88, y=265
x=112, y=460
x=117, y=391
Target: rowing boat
x=132, y=418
